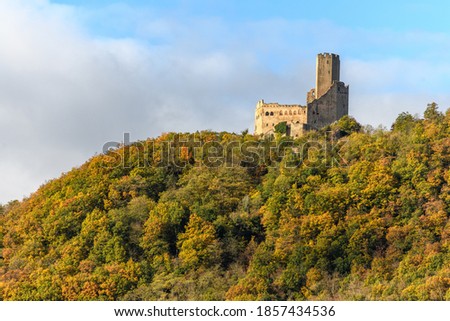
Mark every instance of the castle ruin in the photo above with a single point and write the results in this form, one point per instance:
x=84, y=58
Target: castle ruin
x=325, y=104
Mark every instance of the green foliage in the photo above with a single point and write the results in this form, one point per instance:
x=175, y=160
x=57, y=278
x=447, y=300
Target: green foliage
x=281, y=128
x=198, y=246
x=404, y=123
x=347, y=125
x=432, y=113
x=372, y=223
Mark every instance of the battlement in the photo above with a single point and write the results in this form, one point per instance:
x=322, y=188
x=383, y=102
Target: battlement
x=328, y=55
x=262, y=104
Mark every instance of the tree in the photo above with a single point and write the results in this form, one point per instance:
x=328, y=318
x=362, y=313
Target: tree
x=432, y=113
x=281, y=128
x=198, y=244
x=347, y=125
x=404, y=123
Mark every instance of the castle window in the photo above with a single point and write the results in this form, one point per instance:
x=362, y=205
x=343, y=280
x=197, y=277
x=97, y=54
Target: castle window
x=285, y=112
x=267, y=113
x=290, y=112
x=339, y=88
x=295, y=113
x=271, y=113
x=281, y=113
x=267, y=125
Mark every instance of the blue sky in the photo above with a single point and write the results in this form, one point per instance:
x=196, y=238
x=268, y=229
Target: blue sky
x=397, y=15
x=401, y=18
x=77, y=74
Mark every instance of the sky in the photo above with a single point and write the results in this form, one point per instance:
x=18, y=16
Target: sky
x=76, y=74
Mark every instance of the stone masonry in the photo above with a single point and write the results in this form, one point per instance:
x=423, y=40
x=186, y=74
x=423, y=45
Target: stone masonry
x=325, y=104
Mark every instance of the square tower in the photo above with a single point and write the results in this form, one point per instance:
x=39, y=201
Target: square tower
x=327, y=72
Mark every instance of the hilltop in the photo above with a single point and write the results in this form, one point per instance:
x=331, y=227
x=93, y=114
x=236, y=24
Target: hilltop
x=344, y=213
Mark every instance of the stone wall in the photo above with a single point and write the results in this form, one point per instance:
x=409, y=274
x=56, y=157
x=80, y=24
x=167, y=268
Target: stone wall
x=330, y=107
x=268, y=115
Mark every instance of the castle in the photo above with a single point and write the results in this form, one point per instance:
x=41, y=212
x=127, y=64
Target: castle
x=325, y=104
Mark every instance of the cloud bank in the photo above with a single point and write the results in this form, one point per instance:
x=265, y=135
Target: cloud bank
x=65, y=92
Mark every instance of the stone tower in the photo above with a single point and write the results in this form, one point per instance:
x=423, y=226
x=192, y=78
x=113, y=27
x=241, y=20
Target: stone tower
x=328, y=102
x=327, y=72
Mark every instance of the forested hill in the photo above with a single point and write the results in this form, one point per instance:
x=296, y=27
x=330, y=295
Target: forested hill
x=346, y=213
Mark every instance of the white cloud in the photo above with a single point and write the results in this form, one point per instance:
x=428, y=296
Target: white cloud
x=64, y=94
x=381, y=89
